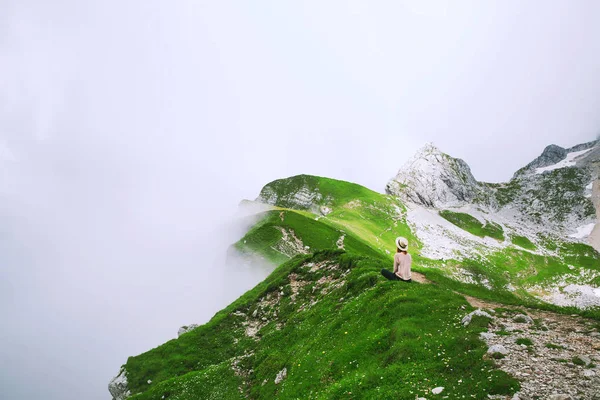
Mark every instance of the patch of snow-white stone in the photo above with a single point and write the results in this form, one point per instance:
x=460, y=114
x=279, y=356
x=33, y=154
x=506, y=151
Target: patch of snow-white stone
x=569, y=290
x=567, y=162
x=583, y=231
x=437, y=390
x=281, y=375
x=442, y=240
x=497, y=348
x=580, y=296
x=588, y=190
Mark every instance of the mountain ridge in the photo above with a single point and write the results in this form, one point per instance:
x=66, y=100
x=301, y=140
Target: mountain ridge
x=327, y=240
x=545, y=192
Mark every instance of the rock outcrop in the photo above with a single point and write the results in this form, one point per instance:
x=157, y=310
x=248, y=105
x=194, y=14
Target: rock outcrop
x=301, y=193
x=553, y=155
x=435, y=179
x=118, y=386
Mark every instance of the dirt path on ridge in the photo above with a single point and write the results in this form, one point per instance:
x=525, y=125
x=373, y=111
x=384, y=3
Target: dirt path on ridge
x=419, y=277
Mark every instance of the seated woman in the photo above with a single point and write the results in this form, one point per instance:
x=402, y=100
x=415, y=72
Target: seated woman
x=402, y=263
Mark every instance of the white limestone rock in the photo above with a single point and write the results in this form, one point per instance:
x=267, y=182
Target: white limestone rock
x=467, y=318
x=437, y=390
x=118, y=386
x=325, y=210
x=487, y=335
x=434, y=179
x=497, y=348
x=281, y=375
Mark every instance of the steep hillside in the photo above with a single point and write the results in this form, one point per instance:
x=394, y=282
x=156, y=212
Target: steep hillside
x=325, y=324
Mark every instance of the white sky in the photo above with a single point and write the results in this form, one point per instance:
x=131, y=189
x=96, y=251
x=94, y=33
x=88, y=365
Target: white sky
x=129, y=131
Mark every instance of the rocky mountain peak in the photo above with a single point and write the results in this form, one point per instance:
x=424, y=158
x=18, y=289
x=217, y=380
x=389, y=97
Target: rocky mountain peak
x=553, y=155
x=429, y=149
x=434, y=179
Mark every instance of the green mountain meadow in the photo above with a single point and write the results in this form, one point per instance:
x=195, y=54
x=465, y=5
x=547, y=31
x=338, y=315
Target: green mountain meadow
x=326, y=325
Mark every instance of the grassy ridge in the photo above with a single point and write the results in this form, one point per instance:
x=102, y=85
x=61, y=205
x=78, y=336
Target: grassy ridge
x=370, y=217
x=263, y=238
x=332, y=192
x=335, y=325
x=383, y=340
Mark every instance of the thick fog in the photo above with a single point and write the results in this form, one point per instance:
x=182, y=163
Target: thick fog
x=130, y=131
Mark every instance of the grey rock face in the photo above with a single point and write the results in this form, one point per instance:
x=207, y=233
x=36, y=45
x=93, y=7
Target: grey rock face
x=551, y=193
x=118, y=386
x=434, y=179
x=554, y=154
x=591, y=160
x=551, y=155
x=584, y=146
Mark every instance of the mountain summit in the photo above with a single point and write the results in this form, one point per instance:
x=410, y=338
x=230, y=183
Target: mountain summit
x=552, y=194
x=435, y=179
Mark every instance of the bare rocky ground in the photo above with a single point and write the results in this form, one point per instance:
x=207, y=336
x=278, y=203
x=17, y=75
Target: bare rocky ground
x=560, y=355
x=554, y=356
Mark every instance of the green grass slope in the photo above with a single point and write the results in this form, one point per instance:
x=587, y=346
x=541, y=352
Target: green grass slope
x=338, y=329
x=335, y=326
x=265, y=238
x=523, y=242
x=370, y=222
x=472, y=225
x=360, y=213
x=329, y=192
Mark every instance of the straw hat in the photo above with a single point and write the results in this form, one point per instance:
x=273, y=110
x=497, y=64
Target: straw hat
x=402, y=243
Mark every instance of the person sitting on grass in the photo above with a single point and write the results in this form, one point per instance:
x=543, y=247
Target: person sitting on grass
x=402, y=263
